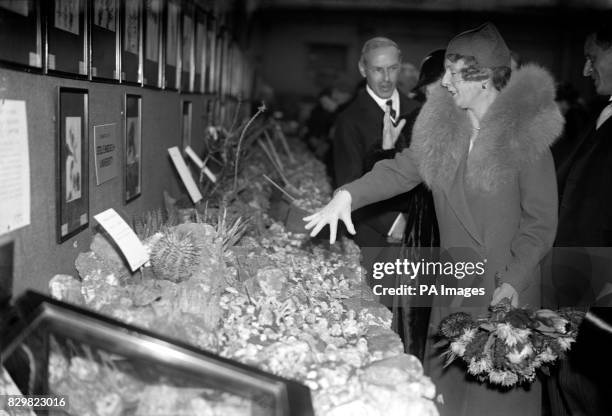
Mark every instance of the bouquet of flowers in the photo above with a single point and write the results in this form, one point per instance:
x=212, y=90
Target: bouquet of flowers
x=506, y=348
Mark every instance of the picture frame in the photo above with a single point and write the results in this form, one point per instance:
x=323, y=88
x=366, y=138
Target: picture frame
x=219, y=62
x=186, y=126
x=187, y=47
x=7, y=262
x=172, y=42
x=200, y=51
x=105, y=40
x=153, y=45
x=211, y=43
x=132, y=147
x=72, y=162
x=21, y=34
x=66, y=37
x=131, y=42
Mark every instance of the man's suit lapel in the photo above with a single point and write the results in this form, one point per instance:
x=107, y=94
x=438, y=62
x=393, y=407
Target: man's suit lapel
x=589, y=143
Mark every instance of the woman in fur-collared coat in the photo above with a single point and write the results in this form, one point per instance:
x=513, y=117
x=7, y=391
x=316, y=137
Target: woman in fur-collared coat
x=481, y=143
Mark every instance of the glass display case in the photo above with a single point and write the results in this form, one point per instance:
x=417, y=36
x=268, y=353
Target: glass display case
x=104, y=367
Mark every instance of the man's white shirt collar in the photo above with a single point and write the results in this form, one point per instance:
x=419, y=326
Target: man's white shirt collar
x=382, y=102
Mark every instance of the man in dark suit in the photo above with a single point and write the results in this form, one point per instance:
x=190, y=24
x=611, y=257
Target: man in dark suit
x=582, y=261
x=358, y=133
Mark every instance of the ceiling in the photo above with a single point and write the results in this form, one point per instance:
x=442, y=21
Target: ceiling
x=431, y=5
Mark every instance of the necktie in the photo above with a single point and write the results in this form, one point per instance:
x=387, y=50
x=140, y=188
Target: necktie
x=605, y=114
x=392, y=112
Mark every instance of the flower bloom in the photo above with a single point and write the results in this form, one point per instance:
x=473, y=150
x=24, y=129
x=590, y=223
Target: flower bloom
x=479, y=366
x=565, y=342
x=515, y=356
x=511, y=335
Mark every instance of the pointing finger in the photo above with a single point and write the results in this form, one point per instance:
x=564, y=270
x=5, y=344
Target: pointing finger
x=317, y=229
x=348, y=222
x=333, y=227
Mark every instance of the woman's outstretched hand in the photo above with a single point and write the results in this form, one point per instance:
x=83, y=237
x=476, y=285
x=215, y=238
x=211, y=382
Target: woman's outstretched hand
x=339, y=208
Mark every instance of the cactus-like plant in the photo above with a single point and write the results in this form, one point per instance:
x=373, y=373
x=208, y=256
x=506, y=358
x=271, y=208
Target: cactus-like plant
x=175, y=257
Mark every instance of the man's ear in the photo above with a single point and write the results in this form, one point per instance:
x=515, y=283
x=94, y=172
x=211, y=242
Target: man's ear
x=361, y=67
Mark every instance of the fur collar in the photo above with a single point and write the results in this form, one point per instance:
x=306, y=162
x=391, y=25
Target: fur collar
x=520, y=125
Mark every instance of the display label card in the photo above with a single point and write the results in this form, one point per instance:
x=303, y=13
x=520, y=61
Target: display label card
x=14, y=166
x=200, y=164
x=183, y=170
x=106, y=156
x=127, y=241
x=51, y=61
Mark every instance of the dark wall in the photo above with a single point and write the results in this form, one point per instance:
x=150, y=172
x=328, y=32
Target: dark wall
x=553, y=38
x=37, y=254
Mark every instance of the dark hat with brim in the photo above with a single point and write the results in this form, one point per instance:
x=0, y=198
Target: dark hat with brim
x=432, y=68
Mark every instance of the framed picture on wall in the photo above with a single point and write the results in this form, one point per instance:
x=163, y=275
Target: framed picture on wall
x=172, y=45
x=104, y=23
x=66, y=37
x=131, y=48
x=20, y=33
x=211, y=42
x=132, y=147
x=72, y=165
x=152, y=68
x=200, y=51
x=187, y=46
x=218, y=62
x=186, y=118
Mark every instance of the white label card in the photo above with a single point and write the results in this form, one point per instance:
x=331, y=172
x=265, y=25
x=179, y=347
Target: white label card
x=51, y=61
x=127, y=241
x=14, y=166
x=196, y=159
x=183, y=170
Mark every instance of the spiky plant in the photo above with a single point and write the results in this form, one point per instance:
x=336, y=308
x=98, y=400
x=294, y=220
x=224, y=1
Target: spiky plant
x=230, y=234
x=149, y=223
x=175, y=256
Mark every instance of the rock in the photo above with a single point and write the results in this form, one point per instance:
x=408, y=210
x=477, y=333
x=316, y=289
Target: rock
x=66, y=288
x=273, y=283
x=383, y=342
x=106, y=252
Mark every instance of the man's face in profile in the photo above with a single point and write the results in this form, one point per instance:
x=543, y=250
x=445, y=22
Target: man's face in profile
x=381, y=68
x=598, y=65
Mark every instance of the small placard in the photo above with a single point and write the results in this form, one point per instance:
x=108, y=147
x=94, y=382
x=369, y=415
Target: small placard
x=94, y=71
x=106, y=154
x=200, y=164
x=181, y=167
x=122, y=76
x=82, y=68
x=35, y=59
x=83, y=219
x=116, y=74
x=64, y=229
x=125, y=238
x=51, y=61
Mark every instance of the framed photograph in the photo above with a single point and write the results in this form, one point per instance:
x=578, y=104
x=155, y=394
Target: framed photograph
x=72, y=189
x=200, y=51
x=67, y=37
x=131, y=50
x=20, y=33
x=133, y=146
x=218, y=62
x=104, y=24
x=187, y=55
x=152, y=67
x=172, y=45
x=186, y=118
x=211, y=43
